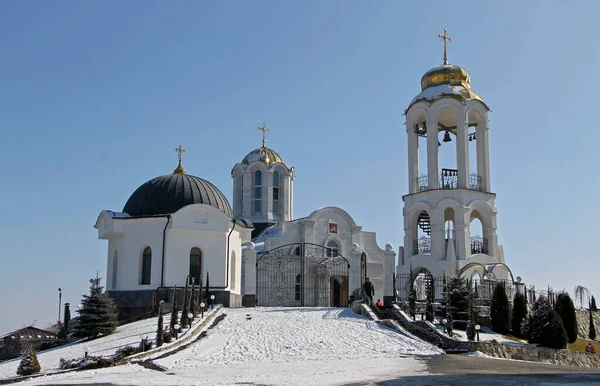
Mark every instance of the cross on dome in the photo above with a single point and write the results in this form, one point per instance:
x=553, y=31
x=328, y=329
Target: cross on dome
x=180, y=150
x=264, y=130
x=446, y=39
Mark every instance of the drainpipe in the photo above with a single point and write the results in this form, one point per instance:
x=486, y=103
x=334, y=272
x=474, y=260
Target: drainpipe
x=162, y=267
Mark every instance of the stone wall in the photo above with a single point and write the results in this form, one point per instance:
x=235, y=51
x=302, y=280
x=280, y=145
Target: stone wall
x=583, y=323
x=539, y=354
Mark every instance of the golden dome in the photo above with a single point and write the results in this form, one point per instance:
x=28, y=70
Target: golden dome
x=263, y=154
x=446, y=74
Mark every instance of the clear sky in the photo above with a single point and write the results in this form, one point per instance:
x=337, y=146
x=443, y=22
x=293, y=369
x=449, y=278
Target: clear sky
x=95, y=96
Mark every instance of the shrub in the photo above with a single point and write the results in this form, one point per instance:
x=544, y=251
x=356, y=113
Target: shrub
x=543, y=326
x=592, y=330
x=566, y=310
x=471, y=330
x=89, y=363
x=167, y=337
x=29, y=364
x=519, y=313
x=500, y=310
x=145, y=345
x=124, y=352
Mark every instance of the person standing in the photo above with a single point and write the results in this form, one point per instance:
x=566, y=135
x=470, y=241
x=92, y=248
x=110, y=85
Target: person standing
x=369, y=289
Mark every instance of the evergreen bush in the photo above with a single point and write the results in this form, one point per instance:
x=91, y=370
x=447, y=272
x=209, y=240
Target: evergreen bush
x=185, y=320
x=174, y=312
x=519, y=313
x=566, y=310
x=29, y=364
x=159, y=330
x=471, y=330
x=592, y=329
x=593, y=304
x=98, y=313
x=457, y=301
x=500, y=310
x=543, y=326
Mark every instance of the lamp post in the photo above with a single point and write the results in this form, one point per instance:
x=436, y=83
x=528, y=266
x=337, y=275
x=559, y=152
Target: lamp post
x=190, y=318
x=477, y=328
x=59, y=303
x=212, y=302
x=176, y=327
x=86, y=350
x=202, y=305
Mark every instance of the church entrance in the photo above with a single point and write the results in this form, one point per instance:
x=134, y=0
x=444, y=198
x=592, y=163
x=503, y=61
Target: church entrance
x=302, y=275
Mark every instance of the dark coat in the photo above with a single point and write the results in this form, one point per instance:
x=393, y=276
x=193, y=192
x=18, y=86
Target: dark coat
x=369, y=288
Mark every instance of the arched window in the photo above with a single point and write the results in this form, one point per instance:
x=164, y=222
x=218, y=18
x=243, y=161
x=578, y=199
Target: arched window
x=257, y=191
x=195, y=265
x=332, y=249
x=298, y=287
x=114, y=269
x=276, y=192
x=146, y=266
x=233, y=268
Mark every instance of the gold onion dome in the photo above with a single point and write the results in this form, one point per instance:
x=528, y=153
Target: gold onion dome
x=263, y=154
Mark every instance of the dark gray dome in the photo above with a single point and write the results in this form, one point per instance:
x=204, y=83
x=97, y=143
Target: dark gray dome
x=167, y=194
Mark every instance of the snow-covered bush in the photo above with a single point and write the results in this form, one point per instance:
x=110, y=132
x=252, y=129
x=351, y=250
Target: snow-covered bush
x=125, y=352
x=90, y=362
x=29, y=364
x=544, y=327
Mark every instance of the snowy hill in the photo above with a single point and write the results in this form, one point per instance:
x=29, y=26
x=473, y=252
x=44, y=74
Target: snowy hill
x=277, y=346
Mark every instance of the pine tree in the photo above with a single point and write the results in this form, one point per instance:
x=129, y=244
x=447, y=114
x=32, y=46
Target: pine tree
x=500, y=310
x=206, y=292
x=159, y=329
x=193, y=305
x=29, y=364
x=185, y=320
x=519, y=313
x=592, y=330
x=457, y=301
x=593, y=304
x=566, y=310
x=543, y=326
x=174, y=312
x=98, y=313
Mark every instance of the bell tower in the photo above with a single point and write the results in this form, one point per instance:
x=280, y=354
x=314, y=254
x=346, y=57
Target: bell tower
x=263, y=187
x=449, y=212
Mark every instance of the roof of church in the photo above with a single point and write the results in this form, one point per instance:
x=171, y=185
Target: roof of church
x=169, y=193
x=447, y=80
x=264, y=154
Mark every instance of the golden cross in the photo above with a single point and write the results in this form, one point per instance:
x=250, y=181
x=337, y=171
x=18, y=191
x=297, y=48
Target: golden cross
x=446, y=39
x=180, y=150
x=264, y=130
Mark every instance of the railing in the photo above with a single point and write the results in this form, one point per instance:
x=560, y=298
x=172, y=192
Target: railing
x=449, y=180
x=479, y=245
x=422, y=246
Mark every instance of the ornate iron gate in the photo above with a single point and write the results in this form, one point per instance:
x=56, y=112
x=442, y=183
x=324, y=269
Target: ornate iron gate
x=302, y=274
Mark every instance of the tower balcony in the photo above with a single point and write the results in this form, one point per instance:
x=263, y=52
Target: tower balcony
x=479, y=245
x=422, y=246
x=449, y=180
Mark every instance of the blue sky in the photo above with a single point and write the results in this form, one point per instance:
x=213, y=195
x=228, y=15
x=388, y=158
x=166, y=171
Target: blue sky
x=95, y=96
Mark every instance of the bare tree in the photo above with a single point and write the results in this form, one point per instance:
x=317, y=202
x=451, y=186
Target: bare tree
x=582, y=292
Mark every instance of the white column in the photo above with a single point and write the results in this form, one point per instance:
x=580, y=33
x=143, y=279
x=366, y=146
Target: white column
x=432, y=153
x=413, y=158
x=483, y=155
x=462, y=152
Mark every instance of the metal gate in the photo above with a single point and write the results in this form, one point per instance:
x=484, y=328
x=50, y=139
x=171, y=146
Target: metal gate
x=302, y=274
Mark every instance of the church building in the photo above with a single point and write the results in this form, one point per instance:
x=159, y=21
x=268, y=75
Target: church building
x=180, y=227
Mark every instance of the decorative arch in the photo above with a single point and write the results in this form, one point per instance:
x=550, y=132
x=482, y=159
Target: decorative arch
x=440, y=104
x=195, y=267
x=492, y=266
x=146, y=266
x=478, y=267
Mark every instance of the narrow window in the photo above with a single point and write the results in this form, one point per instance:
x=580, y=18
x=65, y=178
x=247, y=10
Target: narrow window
x=276, y=192
x=332, y=249
x=195, y=265
x=146, y=265
x=114, y=269
x=258, y=192
x=298, y=286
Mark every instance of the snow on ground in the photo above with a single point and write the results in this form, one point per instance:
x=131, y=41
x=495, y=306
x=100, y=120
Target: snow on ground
x=486, y=334
x=126, y=335
x=283, y=346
